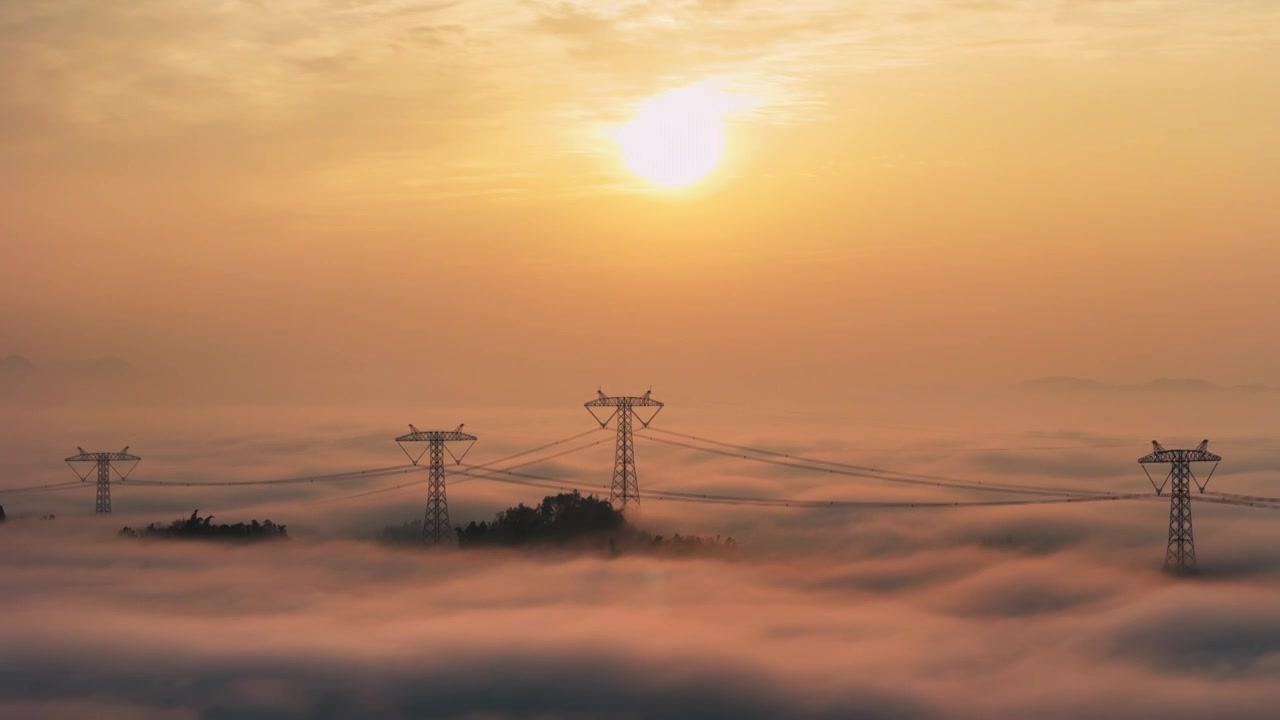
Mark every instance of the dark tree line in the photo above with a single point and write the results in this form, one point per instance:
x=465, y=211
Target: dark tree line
x=690, y=544
x=202, y=528
x=3, y=517
x=567, y=520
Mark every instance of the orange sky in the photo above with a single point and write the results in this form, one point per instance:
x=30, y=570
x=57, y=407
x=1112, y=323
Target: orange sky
x=353, y=196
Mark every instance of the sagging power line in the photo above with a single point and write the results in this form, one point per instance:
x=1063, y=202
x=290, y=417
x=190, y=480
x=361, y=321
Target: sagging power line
x=298, y=480
x=829, y=467
x=511, y=475
x=624, y=487
x=45, y=488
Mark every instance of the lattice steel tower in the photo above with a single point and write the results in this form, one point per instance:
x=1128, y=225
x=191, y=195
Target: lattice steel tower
x=104, y=463
x=435, y=524
x=625, y=489
x=1181, y=553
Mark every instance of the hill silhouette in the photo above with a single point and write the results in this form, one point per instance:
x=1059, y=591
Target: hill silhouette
x=1159, y=385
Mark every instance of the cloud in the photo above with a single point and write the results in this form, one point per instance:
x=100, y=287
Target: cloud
x=1230, y=636
x=978, y=612
x=461, y=685
x=378, y=91
x=342, y=629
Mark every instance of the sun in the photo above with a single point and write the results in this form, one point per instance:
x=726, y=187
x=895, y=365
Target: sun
x=676, y=138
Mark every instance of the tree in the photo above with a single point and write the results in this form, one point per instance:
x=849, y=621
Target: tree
x=202, y=528
x=567, y=518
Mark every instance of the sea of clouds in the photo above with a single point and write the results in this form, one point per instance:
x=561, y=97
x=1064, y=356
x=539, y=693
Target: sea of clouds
x=1029, y=612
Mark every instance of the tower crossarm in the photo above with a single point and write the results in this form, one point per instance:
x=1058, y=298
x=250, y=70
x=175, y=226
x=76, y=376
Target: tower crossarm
x=1162, y=455
x=435, y=523
x=623, y=405
x=621, y=401
x=104, y=457
x=417, y=435
x=435, y=440
x=625, y=488
x=436, y=436
x=105, y=465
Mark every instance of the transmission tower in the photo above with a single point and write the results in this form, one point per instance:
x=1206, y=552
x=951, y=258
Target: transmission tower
x=104, y=462
x=1181, y=553
x=435, y=524
x=625, y=488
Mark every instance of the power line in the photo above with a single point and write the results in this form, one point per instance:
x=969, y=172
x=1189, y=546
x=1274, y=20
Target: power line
x=485, y=468
x=379, y=491
x=545, y=484
x=545, y=446
x=542, y=481
x=1239, y=503
x=378, y=472
x=817, y=504
x=1249, y=498
x=351, y=475
x=355, y=474
x=875, y=474
x=53, y=486
x=535, y=461
x=875, y=470
x=531, y=476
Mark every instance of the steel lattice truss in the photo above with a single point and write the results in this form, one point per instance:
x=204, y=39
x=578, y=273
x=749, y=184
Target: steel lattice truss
x=1180, y=555
x=435, y=524
x=104, y=462
x=625, y=488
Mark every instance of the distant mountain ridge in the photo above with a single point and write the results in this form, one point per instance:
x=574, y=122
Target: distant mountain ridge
x=106, y=378
x=1159, y=385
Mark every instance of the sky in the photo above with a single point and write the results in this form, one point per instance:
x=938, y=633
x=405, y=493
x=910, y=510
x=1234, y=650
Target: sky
x=253, y=241
x=327, y=200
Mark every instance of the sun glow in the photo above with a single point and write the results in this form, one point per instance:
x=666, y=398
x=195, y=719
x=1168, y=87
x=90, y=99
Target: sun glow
x=676, y=138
